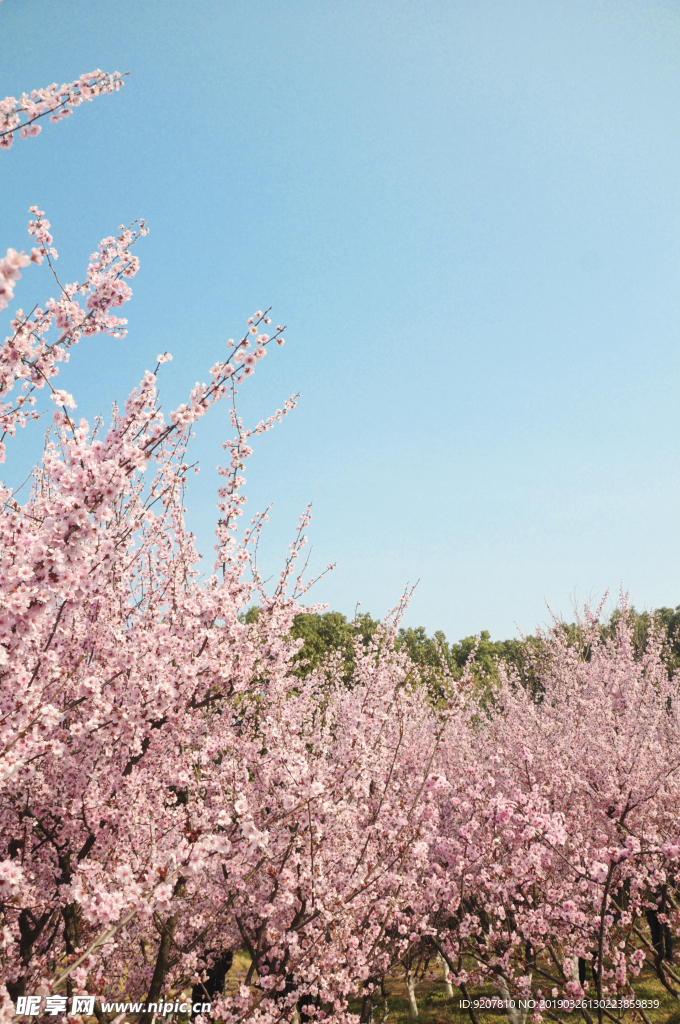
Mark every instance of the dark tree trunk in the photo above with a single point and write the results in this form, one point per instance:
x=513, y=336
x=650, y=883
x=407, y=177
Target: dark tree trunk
x=162, y=957
x=213, y=986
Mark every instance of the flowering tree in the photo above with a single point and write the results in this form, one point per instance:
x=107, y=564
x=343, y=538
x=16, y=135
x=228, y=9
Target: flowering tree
x=566, y=845
x=169, y=788
x=166, y=780
x=97, y=561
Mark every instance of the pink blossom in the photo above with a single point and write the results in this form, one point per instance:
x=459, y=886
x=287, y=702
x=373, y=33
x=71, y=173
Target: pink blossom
x=12, y=263
x=11, y=879
x=64, y=399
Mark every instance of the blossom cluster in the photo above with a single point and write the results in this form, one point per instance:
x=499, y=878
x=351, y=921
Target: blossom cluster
x=57, y=101
x=10, y=267
x=29, y=356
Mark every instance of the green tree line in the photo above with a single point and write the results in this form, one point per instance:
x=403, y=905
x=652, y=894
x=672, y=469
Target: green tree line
x=331, y=632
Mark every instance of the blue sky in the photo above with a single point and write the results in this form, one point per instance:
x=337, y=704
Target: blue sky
x=467, y=214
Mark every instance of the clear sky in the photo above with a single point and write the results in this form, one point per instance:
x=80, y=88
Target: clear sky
x=468, y=215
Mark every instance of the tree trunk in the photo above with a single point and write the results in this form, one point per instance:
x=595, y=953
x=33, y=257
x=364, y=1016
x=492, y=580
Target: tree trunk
x=71, y=915
x=447, y=981
x=163, y=953
x=366, y=1009
x=515, y=1014
x=411, y=990
x=29, y=931
x=385, y=1007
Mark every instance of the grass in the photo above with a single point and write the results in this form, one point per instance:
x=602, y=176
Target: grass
x=435, y=1008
